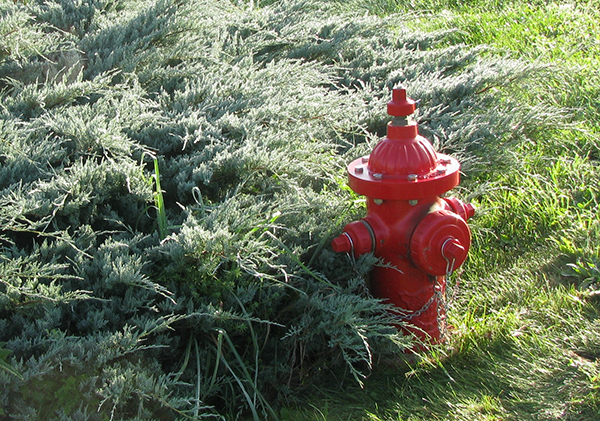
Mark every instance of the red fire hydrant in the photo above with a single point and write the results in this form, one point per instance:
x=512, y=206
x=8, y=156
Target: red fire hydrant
x=419, y=236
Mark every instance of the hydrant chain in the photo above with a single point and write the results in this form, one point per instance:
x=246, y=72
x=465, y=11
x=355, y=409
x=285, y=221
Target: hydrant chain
x=351, y=254
x=449, y=262
x=407, y=315
x=441, y=310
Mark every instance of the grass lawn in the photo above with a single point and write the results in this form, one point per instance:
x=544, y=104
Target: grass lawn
x=525, y=343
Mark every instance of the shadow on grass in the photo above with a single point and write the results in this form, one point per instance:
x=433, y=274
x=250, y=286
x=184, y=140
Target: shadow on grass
x=527, y=347
x=501, y=381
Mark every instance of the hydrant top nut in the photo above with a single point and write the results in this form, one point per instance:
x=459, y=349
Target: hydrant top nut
x=400, y=105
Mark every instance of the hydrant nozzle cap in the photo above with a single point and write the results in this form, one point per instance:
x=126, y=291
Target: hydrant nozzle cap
x=440, y=242
x=453, y=251
x=341, y=244
x=400, y=105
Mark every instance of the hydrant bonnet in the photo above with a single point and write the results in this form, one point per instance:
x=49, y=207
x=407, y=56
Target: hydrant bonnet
x=403, y=165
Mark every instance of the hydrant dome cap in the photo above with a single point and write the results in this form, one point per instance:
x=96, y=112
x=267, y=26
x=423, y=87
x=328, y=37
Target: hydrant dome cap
x=403, y=152
x=391, y=187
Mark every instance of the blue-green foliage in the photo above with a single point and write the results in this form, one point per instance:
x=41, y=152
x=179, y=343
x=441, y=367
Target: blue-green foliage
x=251, y=116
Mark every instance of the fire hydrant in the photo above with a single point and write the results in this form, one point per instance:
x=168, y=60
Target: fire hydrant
x=419, y=236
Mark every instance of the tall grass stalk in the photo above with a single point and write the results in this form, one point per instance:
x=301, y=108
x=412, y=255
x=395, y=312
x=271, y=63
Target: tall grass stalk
x=159, y=203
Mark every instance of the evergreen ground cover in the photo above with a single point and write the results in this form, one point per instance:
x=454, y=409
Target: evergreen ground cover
x=171, y=175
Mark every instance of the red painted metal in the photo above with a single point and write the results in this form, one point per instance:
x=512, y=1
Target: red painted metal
x=420, y=236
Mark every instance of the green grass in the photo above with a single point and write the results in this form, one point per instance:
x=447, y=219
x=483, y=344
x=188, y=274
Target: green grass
x=525, y=343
